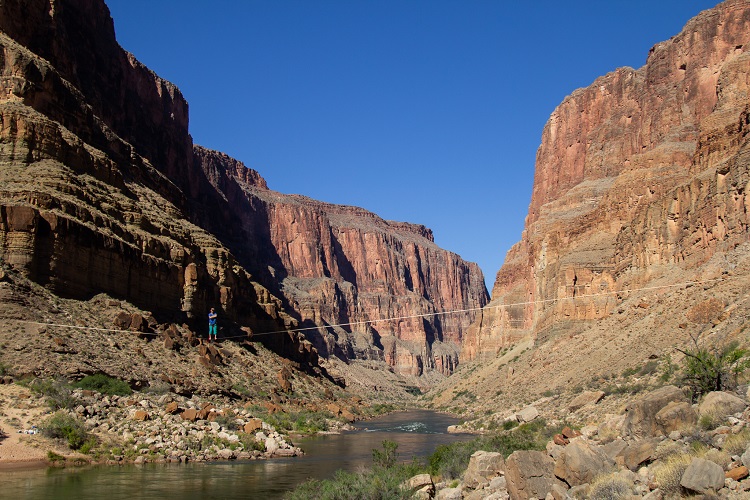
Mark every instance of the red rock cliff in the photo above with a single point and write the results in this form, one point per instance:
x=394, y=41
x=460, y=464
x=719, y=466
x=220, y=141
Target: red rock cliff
x=102, y=190
x=642, y=175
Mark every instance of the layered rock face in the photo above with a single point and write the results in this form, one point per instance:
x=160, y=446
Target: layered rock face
x=642, y=176
x=360, y=286
x=102, y=190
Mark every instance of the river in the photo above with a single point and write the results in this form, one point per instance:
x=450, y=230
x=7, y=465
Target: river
x=417, y=433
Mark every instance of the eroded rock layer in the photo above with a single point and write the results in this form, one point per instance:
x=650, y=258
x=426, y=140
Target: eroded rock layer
x=103, y=191
x=641, y=178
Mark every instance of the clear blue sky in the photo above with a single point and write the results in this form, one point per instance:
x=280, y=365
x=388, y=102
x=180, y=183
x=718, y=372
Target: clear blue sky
x=426, y=111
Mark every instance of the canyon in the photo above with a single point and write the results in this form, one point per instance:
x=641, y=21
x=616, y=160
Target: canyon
x=102, y=192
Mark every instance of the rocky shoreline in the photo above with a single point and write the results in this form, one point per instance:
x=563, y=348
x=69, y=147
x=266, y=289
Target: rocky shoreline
x=143, y=428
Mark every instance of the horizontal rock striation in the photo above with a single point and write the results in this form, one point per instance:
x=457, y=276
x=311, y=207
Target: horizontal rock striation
x=363, y=287
x=641, y=175
x=103, y=191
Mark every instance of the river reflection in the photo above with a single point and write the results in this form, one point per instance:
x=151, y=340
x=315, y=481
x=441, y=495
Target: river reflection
x=417, y=433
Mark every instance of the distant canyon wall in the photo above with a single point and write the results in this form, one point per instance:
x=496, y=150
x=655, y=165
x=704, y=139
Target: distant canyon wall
x=103, y=190
x=641, y=175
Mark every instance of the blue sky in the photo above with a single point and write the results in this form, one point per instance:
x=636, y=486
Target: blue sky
x=426, y=111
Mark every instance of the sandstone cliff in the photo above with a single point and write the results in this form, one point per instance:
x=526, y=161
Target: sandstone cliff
x=641, y=182
x=103, y=191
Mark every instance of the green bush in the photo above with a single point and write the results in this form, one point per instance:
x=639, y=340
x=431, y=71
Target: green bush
x=386, y=458
x=63, y=425
x=104, y=384
x=57, y=392
x=451, y=460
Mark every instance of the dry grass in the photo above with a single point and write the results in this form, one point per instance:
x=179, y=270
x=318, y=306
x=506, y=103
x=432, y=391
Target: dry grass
x=610, y=487
x=669, y=472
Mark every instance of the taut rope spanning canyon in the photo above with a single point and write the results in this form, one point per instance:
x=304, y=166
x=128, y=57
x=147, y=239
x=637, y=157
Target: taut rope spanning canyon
x=397, y=318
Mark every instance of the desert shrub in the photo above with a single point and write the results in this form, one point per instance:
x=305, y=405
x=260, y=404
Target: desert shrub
x=451, y=460
x=63, y=425
x=719, y=457
x=610, y=487
x=250, y=443
x=713, y=368
x=386, y=458
x=736, y=444
x=649, y=368
x=58, y=393
x=227, y=421
x=375, y=484
x=381, y=482
x=304, y=422
x=668, y=368
x=510, y=424
x=669, y=473
x=709, y=421
x=104, y=384
x=55, y=457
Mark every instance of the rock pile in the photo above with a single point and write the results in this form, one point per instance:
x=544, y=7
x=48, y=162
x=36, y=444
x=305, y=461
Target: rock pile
x=664, y=447
x=177, y=429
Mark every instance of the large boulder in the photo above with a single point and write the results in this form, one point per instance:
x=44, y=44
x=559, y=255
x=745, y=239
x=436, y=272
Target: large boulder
x=527, y=414
x=580, y=462
x=530, y=474
x=585, y=398
x=720, y=405
x=421, y=486
x=640, y=416
x=703, y=476
x=483, y=466
x=637, y=453
x=676, y=416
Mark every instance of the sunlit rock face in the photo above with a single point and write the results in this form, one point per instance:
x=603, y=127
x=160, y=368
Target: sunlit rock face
x=375, y=288
x=642, y=175
x=103, y=190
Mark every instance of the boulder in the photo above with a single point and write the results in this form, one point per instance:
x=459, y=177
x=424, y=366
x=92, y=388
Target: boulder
x=271, y=445
x=530, y=474
x=703, y=476
x=252, y=425
x=172, y=408
x=580, y=462
x=141, y=415
x=483, y=466
x=527, y=414
x=421, y=485
x=449, y=494
x=640, y=416
x=720, y=405
x=191, y=415
x=635, y=454
x=738, y=473
x=676, y=416
x=585, y=398
x=614, y=448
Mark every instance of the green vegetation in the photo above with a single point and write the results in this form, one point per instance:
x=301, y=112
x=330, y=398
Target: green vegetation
x=57, y=392
x=104, y=384
x=303, y=421
x=450, y=461
x=713, y=368
x=62, y=425
x=55, y=457
x=382, y=482
x=386, y=458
